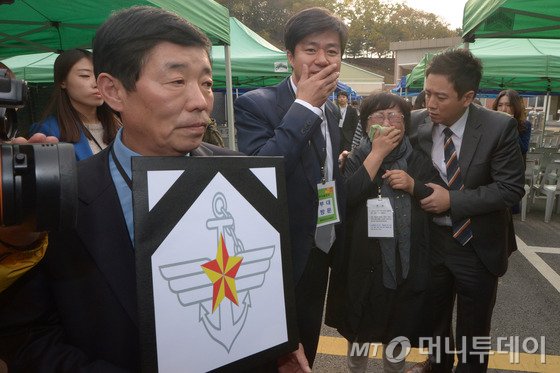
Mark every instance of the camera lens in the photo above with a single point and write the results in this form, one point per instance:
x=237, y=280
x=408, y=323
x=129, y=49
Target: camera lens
x=13, y=93
x=39, y=186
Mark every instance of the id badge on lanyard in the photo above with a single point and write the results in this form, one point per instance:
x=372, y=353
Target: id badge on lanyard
x=328, y=209
x=380, y=217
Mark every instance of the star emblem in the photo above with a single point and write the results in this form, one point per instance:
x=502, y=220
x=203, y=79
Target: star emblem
x=222, y=271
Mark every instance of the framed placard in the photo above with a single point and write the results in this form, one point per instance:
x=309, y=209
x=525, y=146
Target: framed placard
x=215, y=288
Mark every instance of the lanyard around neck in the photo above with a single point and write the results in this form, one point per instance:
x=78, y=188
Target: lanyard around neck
x=322, y=160
x=89, y=135
x=120, y=168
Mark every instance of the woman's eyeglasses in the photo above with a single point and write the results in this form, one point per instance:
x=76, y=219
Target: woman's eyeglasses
x=392, y=117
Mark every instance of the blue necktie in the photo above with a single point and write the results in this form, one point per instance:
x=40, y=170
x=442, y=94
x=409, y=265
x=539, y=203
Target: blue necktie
x=461, y=229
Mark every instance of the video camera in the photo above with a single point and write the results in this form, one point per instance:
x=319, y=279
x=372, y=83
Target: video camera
x=38, y=181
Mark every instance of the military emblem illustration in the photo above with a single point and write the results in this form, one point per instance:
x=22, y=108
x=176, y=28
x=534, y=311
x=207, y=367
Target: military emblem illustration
x=221, y=287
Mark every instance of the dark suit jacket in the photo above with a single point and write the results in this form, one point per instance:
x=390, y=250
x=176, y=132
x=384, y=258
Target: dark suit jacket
x=270, y=123
x=76, y=311
x=493, y=176
x=349, y=125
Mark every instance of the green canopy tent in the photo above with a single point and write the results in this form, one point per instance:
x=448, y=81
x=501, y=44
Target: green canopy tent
x=33, y=68
x=511, y=19
x=526, y=65
x=31, y=26
x=254, y=62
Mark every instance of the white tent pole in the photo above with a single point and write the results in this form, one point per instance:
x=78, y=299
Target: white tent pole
x=229, y=100
x=546, y=111
x=547, y=108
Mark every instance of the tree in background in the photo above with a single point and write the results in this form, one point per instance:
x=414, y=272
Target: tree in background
x=373, y=24
x=266, y=17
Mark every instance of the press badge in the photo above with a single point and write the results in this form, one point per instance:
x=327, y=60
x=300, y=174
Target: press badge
x=328, y=209
x=380, y=218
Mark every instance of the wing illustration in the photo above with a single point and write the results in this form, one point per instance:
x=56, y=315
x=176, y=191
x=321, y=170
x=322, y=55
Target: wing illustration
x=192, y=286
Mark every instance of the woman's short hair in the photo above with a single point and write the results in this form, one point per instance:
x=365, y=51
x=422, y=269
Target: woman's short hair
x=382, y=101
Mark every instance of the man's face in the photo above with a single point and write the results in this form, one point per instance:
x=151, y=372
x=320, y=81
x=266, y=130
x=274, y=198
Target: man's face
x=168, y=112
x=342, y=100
x=442, y=101
x=317, y=51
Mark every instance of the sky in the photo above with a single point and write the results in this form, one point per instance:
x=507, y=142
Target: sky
x=450, y=11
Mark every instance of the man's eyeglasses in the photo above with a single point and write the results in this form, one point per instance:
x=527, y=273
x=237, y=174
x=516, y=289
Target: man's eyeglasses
x=392, y=117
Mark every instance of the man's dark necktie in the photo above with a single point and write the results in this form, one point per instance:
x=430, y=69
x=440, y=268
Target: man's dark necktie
x=461, y=229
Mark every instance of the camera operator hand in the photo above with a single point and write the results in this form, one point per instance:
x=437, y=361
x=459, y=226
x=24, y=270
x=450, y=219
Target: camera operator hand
x=37, y=138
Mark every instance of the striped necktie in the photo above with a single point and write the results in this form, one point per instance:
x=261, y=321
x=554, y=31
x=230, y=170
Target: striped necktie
x=461, y=229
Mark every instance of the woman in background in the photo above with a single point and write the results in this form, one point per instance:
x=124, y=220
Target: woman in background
x=510, y=102
x=76, y=112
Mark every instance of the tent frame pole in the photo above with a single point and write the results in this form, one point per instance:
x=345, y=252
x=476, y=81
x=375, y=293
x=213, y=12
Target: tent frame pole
x=546, y=113
x=229, y=100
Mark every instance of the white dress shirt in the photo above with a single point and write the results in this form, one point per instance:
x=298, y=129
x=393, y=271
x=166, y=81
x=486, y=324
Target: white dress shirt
x=438, y=139
x=324, y=130
x=342, y=115
x=324, y=235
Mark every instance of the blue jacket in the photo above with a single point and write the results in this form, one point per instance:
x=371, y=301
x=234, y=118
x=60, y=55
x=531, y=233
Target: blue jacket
x=50, y=127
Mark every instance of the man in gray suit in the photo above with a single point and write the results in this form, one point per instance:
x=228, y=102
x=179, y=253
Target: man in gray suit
x=477, y=154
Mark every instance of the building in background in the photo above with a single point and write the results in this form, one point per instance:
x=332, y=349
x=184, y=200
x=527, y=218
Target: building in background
x=408, y=53
x=360, y=80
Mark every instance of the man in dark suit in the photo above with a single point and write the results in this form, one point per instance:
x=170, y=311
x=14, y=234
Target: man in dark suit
x=348, y=121
x=294, y=119
x=76, y=310
x=477, y=154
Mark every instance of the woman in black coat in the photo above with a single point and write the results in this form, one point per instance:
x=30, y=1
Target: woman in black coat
x=378, y=287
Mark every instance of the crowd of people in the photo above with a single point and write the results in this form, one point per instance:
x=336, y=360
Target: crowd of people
x=445, y=176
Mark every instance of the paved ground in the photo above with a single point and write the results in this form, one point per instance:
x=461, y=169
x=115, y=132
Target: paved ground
x=528, y=305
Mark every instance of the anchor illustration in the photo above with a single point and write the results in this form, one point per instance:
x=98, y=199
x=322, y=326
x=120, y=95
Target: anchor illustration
x=206, y=282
